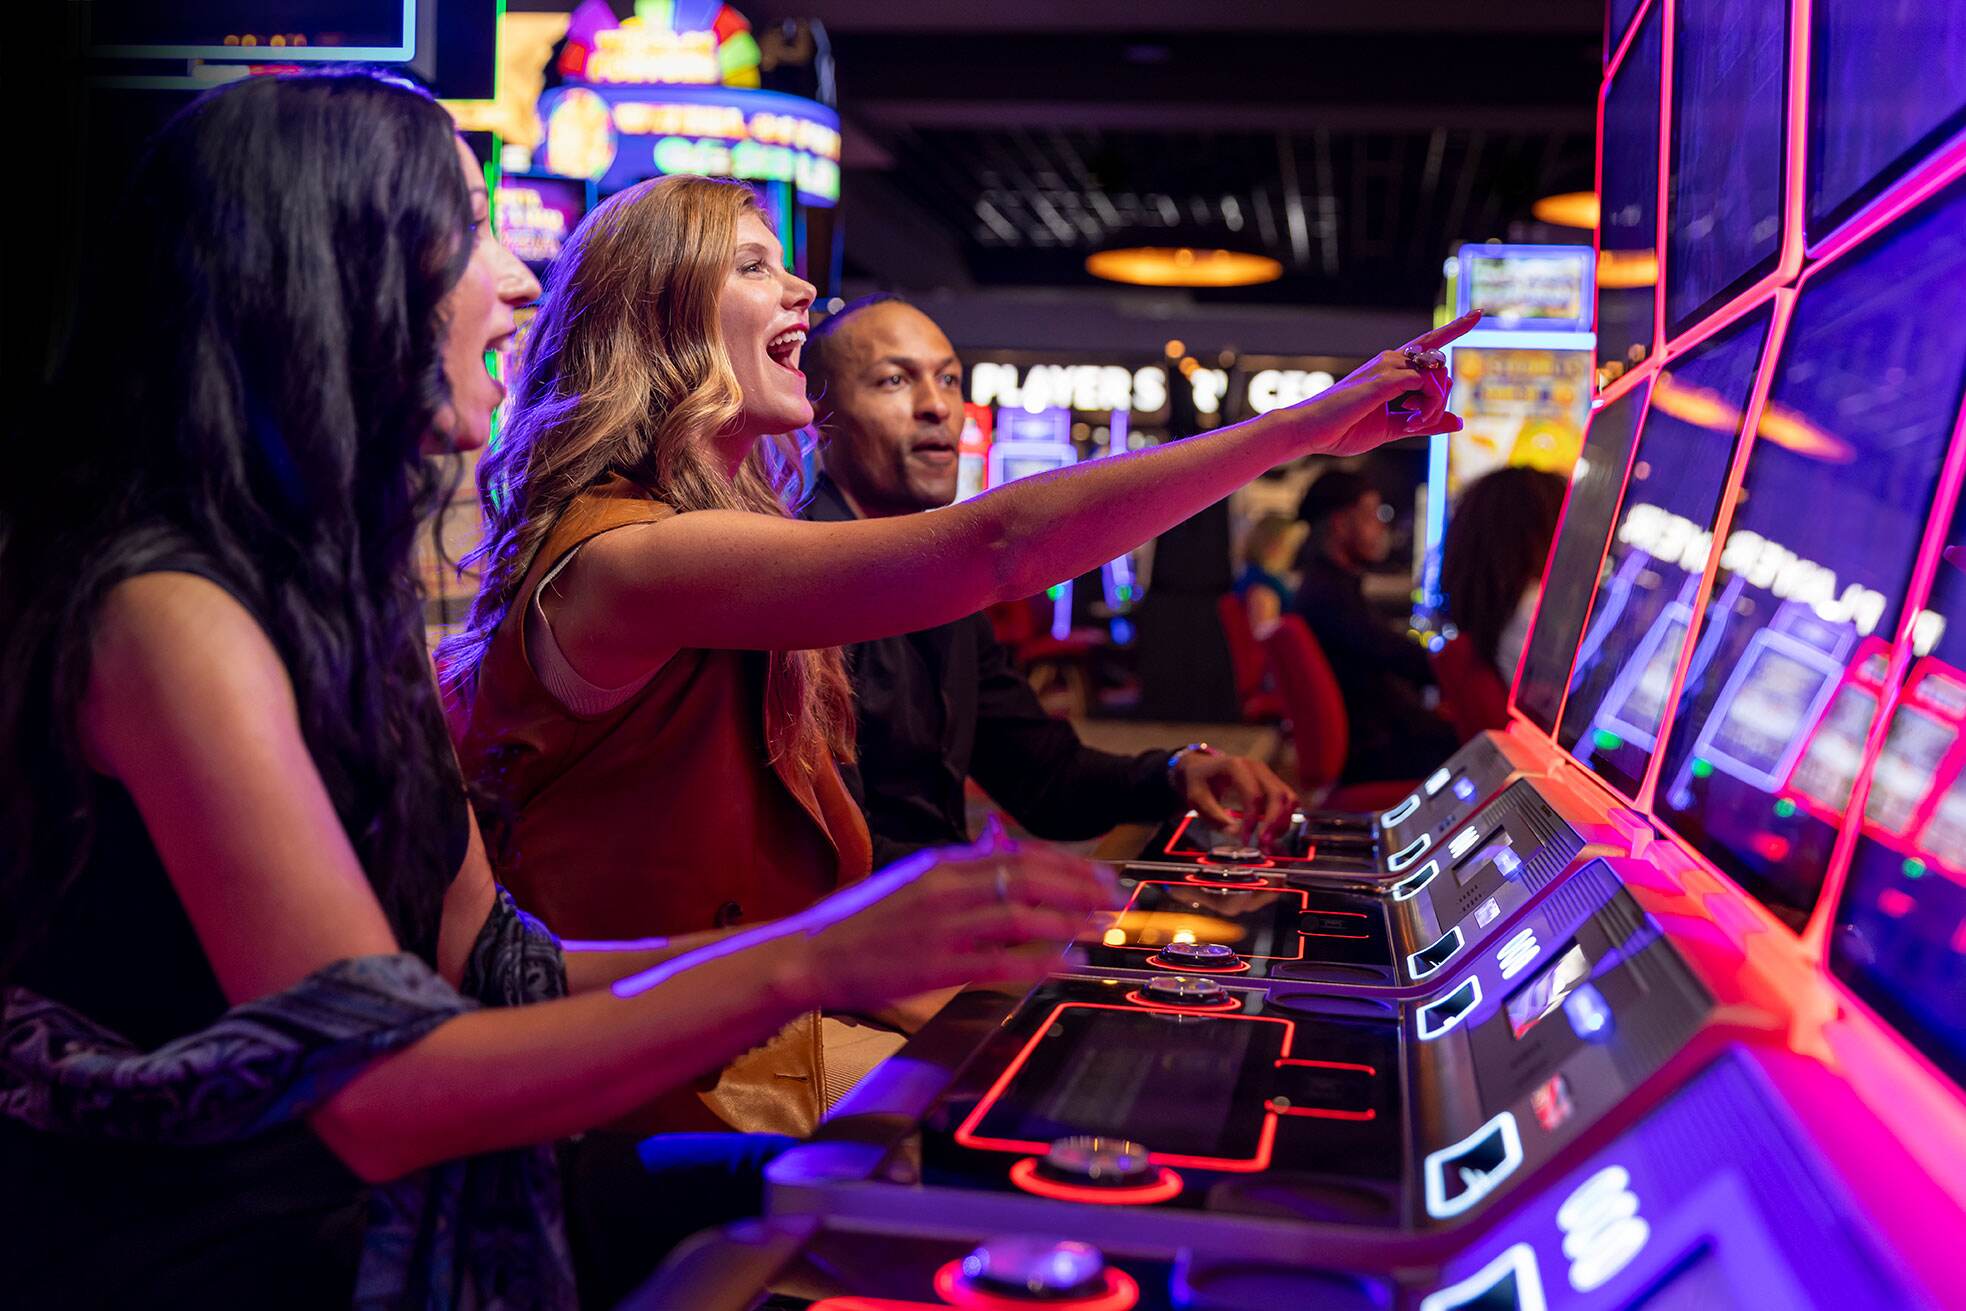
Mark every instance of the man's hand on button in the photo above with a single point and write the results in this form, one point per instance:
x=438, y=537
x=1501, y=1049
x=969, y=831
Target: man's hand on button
x=1215, y=784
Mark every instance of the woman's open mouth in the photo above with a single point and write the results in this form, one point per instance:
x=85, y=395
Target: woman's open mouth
x=783, y=349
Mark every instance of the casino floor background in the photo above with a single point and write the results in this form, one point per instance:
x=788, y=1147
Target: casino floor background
x=1653, y=993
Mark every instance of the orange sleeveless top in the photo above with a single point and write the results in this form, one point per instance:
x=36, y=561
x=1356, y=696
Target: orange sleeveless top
x=664, y=815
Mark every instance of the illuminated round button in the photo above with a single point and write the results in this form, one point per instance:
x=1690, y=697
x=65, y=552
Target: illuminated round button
x=1186, y=990
x=1029, y=1266
x=1236, y=855
x=1089, y=1160
x=1208, y=955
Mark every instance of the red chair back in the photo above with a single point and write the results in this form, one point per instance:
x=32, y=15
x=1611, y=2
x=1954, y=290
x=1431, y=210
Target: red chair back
x=1245, y=653
x=1472, y=695
x=1311, y=698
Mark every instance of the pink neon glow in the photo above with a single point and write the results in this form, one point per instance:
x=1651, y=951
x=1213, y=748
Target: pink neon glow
x=1784, y=299
x=1788, y=262
x=1121, y=1293
x=1906, y=194
x=1166, y=1186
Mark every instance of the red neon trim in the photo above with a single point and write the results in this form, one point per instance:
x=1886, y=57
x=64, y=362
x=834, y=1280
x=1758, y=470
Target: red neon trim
x=1906, y=194
x=1295, y=1062
x=874, y=1304
x=966, y=1135
x=1788, y=257
x=1617, y=57
x=1139, y=998
x=1200, y=857
x=1166, y=1185
x=1120, y=1294
x=1204, y=880
x=1320, y=1113
x=1668, y=30
x=1240, y=968
x=1604, y=548
x=1918, y=592
x=1723, y=524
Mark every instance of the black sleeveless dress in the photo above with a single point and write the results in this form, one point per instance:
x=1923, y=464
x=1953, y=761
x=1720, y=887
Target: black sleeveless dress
x=273, y=1221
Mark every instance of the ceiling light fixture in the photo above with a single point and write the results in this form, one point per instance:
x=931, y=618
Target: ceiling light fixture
x=1182, y=266
x=1571, y=209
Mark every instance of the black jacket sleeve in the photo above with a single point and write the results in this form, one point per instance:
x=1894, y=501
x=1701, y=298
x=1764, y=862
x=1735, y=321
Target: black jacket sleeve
x=1035, y=767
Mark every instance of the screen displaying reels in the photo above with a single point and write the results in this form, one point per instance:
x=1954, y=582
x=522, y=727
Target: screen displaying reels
x=1887, y=86
x=1572, y=575
x=1811, y=582
x=1628, y=237
x=1728, y=152
x=1658, y=555
x=1900, y=939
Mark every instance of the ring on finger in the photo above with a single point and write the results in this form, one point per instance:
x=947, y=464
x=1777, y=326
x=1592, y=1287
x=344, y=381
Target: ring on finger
x=1422, y=360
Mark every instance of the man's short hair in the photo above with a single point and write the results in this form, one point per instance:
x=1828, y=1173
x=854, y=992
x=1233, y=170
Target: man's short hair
x=816, y=360
x=1335, y=490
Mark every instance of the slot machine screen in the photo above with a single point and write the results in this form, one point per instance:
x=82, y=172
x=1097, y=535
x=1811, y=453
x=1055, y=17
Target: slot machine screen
x=1729, y=157
x=1658, y=555
x=1572, y=573
x=1812, y=579
x=1887, y=86
x=1628, y=235
x=1900, y=937
x=536, y=215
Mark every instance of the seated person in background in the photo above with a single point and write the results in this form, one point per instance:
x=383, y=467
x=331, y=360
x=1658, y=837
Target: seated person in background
x=1491, y=563
x=273, y=1035
x=1380, y=672
x=944, y=704
x=1272, y=544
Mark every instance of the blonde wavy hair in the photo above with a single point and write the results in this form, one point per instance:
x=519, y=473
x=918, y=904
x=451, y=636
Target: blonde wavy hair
x=625, y=372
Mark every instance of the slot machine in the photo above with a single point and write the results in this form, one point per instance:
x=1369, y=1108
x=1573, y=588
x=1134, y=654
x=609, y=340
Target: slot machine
x=1664, y=1004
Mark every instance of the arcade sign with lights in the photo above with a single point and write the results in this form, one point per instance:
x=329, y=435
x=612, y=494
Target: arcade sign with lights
x=653, y=96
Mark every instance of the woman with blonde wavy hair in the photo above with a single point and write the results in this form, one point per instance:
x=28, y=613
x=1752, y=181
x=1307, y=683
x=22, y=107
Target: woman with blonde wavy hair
x=649, y=694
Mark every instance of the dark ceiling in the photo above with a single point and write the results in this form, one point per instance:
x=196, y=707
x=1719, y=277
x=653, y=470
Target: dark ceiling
x=997, y=144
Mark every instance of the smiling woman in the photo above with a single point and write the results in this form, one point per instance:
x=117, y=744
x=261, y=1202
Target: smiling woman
x=649, y=693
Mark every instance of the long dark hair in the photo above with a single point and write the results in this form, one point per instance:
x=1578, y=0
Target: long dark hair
x=250, y=387
x=1496, y=545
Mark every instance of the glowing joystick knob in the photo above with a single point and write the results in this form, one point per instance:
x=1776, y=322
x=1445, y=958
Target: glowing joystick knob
x=1208, y=955
x=1041, y=1269
x=1091, y=1161
x=1186, y=990
x=1236, y=855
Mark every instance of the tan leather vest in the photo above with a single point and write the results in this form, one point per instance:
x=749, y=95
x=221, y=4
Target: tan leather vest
x=662, y=816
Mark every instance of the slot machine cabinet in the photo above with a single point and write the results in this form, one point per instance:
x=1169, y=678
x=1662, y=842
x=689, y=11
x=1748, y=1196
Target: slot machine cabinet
x=1707, y=1050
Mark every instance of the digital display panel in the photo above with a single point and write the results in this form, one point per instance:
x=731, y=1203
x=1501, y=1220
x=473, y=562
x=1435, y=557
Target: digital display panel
x=1659, y=553
x=1594, y=488
x=1887, y=85
x=536, y=215
x=1126, y=1073
x=1821, y=550
x=1546, y=991
x=1728, y=152
x=1628, y=232
x=1900, y=938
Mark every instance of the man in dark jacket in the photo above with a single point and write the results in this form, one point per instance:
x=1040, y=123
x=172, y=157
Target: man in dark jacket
x=946, y=704
x=1380, y=673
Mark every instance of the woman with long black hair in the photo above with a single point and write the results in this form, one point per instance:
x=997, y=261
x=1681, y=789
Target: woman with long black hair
x=271, y=1034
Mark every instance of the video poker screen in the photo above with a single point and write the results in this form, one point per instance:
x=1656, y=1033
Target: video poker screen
x=1900, y=937
x=1887, y=86
x=1811, y=581
x=1572, y=574
x=1186, y=1085
x=1728, y=152
x=1628, y=234
x=1658, y=555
